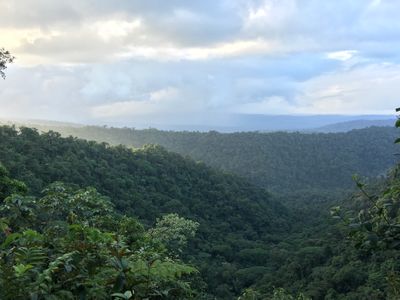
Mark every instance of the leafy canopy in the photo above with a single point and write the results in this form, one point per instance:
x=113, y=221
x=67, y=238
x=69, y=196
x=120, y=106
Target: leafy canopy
x=5, y=58
x=72, y=244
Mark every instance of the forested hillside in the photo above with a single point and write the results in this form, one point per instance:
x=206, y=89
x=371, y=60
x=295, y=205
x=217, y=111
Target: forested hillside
x=279, y=161
x=199, y=150
x=247, y=244
x=234, y=215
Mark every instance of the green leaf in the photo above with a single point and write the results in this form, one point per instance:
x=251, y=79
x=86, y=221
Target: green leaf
x=355, y=225
x=10, y=239
x=127, y=295
x=21, y=269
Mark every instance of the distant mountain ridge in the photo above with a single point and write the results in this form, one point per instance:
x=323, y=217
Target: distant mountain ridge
x=355, y=124
x=270, y=123
x=239, y=123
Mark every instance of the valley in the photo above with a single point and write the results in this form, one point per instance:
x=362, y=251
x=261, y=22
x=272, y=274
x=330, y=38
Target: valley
x=261, y=200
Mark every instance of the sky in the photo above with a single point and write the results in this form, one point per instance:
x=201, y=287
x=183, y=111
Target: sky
x=180, y=61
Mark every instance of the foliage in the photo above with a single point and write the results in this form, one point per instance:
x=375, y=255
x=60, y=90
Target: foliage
x=174, y=231
x=149, y=183
x=246, y=243
x=281, y=294
x=9, y=186
x=71, y=244
x=282, y=162
x=277, y=294
x=373, y=225
x=5, y=58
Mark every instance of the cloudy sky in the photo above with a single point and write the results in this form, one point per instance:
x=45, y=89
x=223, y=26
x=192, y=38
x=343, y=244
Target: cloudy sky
x=104, y=61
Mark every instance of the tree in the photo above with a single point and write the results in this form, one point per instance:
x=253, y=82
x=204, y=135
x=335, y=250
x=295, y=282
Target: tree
x=9, y=186
x=374, y=223
x=5, y=58
x=71, y=244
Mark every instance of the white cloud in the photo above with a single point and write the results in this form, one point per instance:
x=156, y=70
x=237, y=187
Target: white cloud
x=342, y=55
x=223, y=50
x=109, y=29
x=370, y=89
x=165, y=101
x=102, y=59
x=269, y=106
x=270, y=15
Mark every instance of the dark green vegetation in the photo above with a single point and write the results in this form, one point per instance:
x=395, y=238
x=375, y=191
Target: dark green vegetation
x=5, y=58
x=279, y=161
x=234, y=216
x=247, y=243
x=71, y=244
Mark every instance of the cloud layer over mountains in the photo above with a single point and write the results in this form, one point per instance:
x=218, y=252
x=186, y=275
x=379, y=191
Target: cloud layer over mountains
x=180, y=61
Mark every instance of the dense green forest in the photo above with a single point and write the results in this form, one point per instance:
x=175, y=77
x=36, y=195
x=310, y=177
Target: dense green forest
x=278, y=161
x=82, y=219
x=234, y=215
x=289, y=207
x=72, y=244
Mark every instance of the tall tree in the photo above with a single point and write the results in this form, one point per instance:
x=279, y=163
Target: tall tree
x=5, y=58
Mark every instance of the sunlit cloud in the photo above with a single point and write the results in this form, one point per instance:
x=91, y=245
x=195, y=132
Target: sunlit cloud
x=342, y=55
x=115, y=28
x=369, y=89
x=96, y=60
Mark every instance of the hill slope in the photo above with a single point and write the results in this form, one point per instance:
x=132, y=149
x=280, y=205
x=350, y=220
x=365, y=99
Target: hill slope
x=233, y=214
x=355, y=124
x=278, y=161
x=244, y=239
